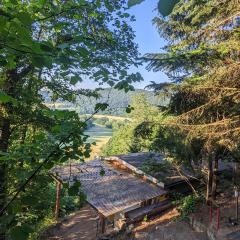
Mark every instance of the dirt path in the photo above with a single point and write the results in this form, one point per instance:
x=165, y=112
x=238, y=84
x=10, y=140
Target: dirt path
x=170, y=231
x=165, y=228
x=82, y=225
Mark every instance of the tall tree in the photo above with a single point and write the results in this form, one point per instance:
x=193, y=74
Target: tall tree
x=202, y=60
x=124, y=140
x=54, y=45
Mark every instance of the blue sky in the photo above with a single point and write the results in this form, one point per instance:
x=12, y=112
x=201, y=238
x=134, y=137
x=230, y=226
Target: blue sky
x=147, y=38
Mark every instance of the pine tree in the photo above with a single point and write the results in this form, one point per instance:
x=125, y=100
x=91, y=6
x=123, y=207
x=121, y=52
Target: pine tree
x=203, y=63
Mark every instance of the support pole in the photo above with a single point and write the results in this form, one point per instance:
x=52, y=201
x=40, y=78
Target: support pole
x=102, y=223
x=236, y=188
x=58, y=192
x=218, y=218
x=237, y=197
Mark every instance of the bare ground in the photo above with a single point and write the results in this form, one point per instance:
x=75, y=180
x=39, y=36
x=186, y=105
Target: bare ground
x=166, y=228
x=81, y=225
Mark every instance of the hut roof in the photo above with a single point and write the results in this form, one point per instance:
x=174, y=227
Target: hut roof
x=165, y=176
x=139, y=163
x=109, y=190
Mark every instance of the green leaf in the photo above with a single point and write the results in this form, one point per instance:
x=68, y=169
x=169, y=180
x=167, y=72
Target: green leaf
x=29, y=200
x=134, y=2
x=4, y=98
x=83, y=51
x=129, y=109
x=74, y=80
x=63, y=45
x=21, y=232
x=102, y=172
x=3, y=62
x=165, y=7
x=74, y=190
x=101, y=106
x=25, y=18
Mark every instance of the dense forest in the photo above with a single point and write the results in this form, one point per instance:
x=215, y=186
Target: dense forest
x=117, y=100
x=200, y=125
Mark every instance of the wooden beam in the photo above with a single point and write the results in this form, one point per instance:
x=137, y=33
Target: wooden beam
x=58, y=193
x=102, y=223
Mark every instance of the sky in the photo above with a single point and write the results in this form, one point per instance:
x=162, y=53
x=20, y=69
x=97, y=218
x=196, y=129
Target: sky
x=148, y=41
x=147, y=38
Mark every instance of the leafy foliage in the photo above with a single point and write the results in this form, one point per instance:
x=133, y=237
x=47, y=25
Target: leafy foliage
x=187, y=205
x=117, y=100
x=134, y=2
x=52, y=46
x=124, y=139
x=165, y=7
x=201, y=59
x=206, y=102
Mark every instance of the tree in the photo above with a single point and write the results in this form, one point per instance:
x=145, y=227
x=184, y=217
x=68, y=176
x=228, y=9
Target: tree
x=124, y=139
x=53, y=45
x=202, y=60
x=165, y=7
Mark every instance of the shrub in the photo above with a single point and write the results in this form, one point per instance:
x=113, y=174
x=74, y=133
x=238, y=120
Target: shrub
x=187, y=205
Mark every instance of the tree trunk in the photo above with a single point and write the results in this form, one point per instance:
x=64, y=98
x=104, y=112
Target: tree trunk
x=215, y=178
x=4, y=142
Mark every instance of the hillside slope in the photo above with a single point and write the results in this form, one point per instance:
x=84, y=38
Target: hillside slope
x=117, y=100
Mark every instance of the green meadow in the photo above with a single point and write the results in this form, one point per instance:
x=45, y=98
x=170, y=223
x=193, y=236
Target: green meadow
x=100, y=135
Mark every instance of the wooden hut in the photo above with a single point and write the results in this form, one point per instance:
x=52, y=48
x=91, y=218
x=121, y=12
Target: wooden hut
x=118, y=195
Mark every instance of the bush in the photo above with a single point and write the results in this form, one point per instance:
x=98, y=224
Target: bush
x=187, y=205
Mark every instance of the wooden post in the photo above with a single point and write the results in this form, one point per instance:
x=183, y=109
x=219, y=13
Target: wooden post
x=236, y=197
x=102, y=223
x=215, y=178
x=58, y=192
x=209, y=179
x=237, y=208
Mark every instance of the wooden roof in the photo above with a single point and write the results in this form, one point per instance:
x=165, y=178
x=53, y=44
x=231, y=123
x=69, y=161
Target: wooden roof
x=137, y=161
x=109, y=190
x=165, y=177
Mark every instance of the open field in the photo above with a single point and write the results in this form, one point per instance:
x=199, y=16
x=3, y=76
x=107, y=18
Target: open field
x=100, y=135
x=111, y=117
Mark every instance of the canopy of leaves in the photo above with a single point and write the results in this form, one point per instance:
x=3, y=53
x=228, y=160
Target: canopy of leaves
x=52, y=46
x=165, y=7
x=124, y=139
x=202, y=60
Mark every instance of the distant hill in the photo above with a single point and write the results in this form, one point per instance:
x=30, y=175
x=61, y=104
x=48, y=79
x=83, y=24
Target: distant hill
x=117, y=100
